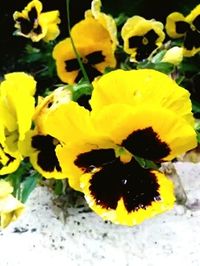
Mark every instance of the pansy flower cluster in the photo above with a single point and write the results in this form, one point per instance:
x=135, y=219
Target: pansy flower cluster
x=109, y=126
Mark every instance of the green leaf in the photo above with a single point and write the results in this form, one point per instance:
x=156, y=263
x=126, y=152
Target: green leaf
x=147, y=164
x=58, y=189
x=82, y=88
x=28, y=185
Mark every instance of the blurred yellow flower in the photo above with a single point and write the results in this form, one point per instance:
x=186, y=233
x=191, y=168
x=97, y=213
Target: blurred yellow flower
x=174, y=56
x=32, y=23
x=10, y=207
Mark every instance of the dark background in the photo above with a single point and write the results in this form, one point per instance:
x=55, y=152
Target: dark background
x=11, y=47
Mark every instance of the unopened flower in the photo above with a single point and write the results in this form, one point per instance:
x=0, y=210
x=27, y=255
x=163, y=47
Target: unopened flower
x=17, y=105
x=32, y=23
x=94, y=46
x=134, y=114
x=10, y=207
x=142, y=37
x=174, y=55
x=178, y=26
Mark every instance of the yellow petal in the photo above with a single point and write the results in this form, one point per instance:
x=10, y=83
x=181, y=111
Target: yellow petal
x=5, y=188
x=170, y=26
x=50, y=20
x=174, y=55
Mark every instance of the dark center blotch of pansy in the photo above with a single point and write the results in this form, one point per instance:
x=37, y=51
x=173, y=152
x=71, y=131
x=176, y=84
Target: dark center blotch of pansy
x=25, y=25
x=144, y=48
x=196, y=22
x=47, y=158
x=94, y=158
x=181, y=27
x=137, y=187
x=83, y=100
x=147, y=144
x=88, y=62
x=192, y=39
x=10, y=159
x=32, y=14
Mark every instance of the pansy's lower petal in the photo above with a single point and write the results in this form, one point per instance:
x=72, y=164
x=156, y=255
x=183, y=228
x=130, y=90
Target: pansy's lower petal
x=126, y=193
x=147, y=131
x=176, y=25
x=136, y=87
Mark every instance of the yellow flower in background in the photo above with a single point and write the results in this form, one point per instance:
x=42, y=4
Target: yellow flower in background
x=106, y=21
x=32, y=23
x=10, y=207
x=97, y=149
x=188, y=27
x=142, y=37
x=174, y=56
x=17, y=105
x=94, y=46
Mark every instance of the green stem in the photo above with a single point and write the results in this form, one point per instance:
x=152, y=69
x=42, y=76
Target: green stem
x=74, y=47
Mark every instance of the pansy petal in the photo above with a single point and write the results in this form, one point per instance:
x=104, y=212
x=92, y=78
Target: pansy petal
x=10, y=210
x=147, y=131
x=176, y=25
x=17, y=92
x=9, y=160
x=5, y=188
x=136, y=87
x=72, y=123
x=126, y=193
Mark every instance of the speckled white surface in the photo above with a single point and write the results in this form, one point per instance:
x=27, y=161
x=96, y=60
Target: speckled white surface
x=172, y=238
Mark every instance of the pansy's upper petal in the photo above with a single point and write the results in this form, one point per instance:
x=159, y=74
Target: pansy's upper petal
x=141, y=37
x=16, y=93
x=136, y=87
x=126, y=193
x=194, y=17
x=72, y=122
x=147, y=131
x=176, y=25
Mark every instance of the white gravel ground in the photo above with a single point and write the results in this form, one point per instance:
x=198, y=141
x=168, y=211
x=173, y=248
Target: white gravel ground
x=172, y=238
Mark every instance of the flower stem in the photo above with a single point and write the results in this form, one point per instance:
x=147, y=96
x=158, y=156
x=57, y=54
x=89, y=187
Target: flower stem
x=73, y=45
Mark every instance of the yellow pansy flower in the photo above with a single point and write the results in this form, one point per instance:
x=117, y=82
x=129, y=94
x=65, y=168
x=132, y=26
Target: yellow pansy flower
x=17, y=105
x=142, y=37
x=188, y=27
x=32, y=23
x=97, y=149
x=10, y=207
x=94, y=46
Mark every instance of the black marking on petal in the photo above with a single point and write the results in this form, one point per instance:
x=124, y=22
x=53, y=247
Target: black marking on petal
x=32, y=14
x=138, y=187
x=95, y=58
x=91, y=71
x=192, y=40
x=146, y=143
x=10, y=159
x=135, y=41
x=144, y=51
x=94, y=158
x=83, y=100
x=47, y=158
x=196, y=22
x=151, y=36
x=25, y=25
x=38, y=30
x=181, y=27
x=71, y=65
